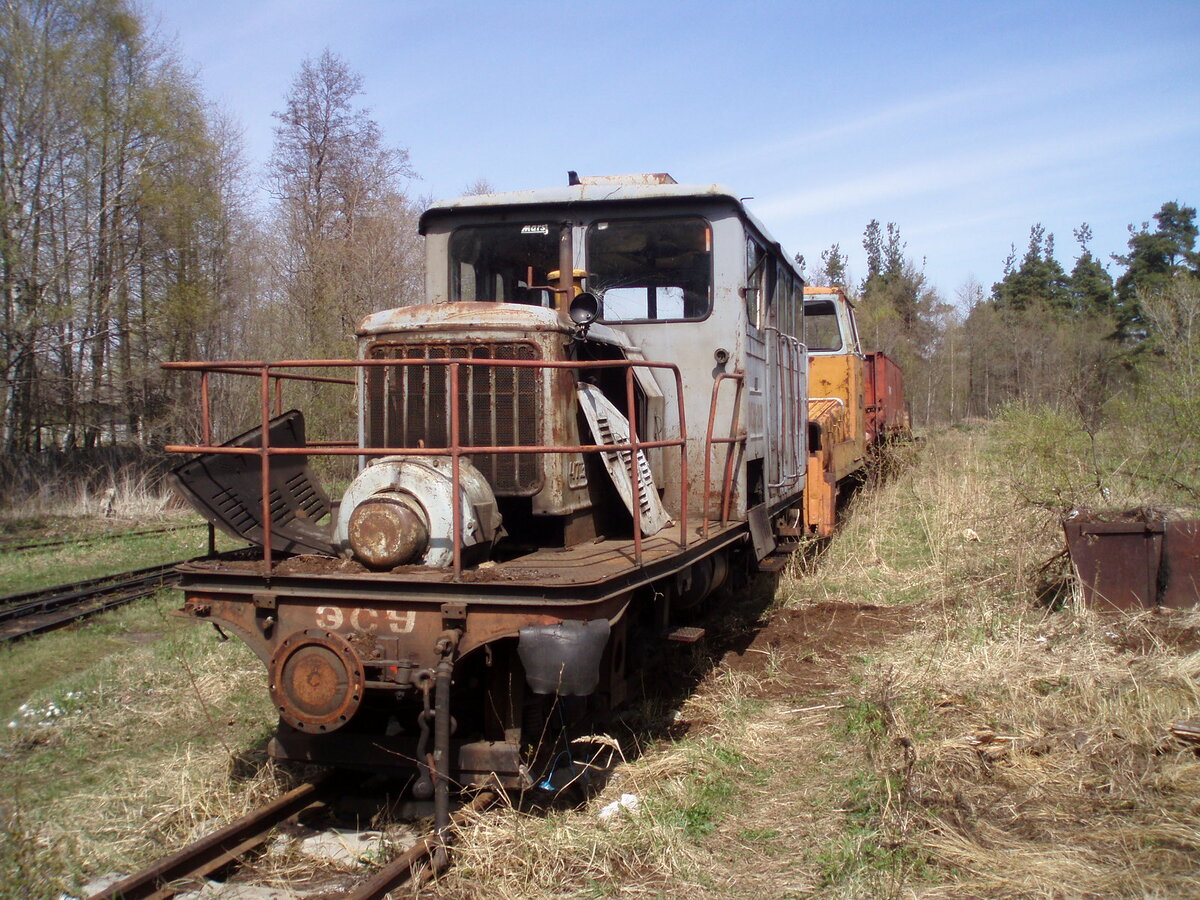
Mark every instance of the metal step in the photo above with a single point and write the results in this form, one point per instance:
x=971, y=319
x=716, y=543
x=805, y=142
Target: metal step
x=685, y=634
x=773, y=563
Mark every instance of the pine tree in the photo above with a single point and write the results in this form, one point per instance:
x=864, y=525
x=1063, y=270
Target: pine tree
x=1090, y=286
x=830, y=272
x=1155, y=259
x=1038, y=280
x=833, y=262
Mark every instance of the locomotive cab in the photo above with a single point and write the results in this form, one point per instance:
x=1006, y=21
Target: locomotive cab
x=836, y=403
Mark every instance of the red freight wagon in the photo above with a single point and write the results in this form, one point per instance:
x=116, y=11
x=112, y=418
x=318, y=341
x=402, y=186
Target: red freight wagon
x=887, y=413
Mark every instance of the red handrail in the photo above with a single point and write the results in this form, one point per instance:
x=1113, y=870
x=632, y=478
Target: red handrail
x=269, y=370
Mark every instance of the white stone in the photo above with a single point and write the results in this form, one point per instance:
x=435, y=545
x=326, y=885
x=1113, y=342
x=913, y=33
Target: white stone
x=342, y=846
x=103, y=883
x=215, y=890
x=628, y=802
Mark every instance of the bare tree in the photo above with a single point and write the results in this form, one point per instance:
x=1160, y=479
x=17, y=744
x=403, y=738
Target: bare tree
x=109, y=229
x=344, y=217
x=479, y=186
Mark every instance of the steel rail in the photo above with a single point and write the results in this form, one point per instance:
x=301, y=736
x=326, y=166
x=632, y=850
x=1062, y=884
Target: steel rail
x=35, y=612
x=428, y=849
x=179, y=871
x=43, y=600
x=16, y=543
x=174, y=873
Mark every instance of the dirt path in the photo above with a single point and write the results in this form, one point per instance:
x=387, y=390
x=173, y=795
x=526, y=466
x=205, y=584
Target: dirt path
x=800, y=770
x=809, y=651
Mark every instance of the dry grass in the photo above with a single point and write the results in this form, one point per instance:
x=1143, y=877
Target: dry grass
x=1024, y=750
x=689, y=792
x=1044, y=767
x=948, y=736
x=124, y=494
x=996, y=748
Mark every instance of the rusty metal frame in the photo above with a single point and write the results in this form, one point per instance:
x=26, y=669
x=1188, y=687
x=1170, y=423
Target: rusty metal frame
x=735, y=437
x=448, y=345
x=265, y=371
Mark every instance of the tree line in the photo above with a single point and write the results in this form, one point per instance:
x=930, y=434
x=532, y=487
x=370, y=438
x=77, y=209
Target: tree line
x=1115, y=360
x=128, y=235
x=1040, y=334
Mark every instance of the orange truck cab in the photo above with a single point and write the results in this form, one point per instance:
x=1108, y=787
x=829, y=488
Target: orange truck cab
x=837, y=421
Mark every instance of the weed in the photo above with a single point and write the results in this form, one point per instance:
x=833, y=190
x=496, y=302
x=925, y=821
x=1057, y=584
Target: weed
x=866, y=860
x=862, y=718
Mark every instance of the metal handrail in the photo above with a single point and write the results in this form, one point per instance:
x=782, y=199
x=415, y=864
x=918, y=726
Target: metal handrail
x=735, y=437
x=266, y=371
x=791, y=393
x=837, y=400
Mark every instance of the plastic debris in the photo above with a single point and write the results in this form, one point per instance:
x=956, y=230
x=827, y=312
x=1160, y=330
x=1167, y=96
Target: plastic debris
x=628, y=801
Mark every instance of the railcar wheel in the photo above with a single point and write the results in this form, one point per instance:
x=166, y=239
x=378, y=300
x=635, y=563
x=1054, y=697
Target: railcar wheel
x=316, y=681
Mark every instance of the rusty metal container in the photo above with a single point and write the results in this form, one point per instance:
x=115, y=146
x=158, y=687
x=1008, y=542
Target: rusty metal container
x=1135, y=560
x=1179, y=574
x=887, y=412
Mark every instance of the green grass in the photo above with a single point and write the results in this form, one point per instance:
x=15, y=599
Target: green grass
x=697, y=804
x=112, y=736
x=865, y=860
x=60, y=656
x=28, y=570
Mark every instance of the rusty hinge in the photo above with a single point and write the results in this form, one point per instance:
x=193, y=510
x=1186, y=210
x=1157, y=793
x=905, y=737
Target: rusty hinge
x=454, y=612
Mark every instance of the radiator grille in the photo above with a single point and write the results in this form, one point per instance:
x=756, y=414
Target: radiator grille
x=409, y=406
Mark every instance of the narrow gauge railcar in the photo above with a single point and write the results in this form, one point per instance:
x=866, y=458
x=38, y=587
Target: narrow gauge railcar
x=597, y=414
x=856, y=401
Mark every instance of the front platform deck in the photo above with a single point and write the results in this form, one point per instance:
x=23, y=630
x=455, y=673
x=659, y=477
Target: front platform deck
x=585, y=573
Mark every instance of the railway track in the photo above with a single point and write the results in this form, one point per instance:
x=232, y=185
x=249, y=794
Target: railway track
x=187, y=868
x=34, y=612
x=14, y=544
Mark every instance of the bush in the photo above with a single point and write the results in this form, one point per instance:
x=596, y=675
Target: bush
x=1050, y=458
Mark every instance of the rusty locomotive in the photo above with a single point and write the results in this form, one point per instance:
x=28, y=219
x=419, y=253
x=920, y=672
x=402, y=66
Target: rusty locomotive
x=603, y=410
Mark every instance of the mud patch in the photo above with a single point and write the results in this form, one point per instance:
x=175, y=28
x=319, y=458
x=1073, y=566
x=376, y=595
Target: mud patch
x=810, y=651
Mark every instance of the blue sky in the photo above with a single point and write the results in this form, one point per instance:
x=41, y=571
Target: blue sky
x=962, y=122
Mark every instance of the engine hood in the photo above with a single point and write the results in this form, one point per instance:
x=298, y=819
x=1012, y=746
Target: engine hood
x=482, y=317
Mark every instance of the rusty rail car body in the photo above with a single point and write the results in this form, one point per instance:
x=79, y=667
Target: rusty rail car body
x=599, y=412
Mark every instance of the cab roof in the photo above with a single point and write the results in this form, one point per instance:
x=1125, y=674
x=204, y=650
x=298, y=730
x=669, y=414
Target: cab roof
x=615, y=191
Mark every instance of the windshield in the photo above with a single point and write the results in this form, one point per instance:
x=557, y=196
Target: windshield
x=651, y=269
x=506, y=263
x=821, y=331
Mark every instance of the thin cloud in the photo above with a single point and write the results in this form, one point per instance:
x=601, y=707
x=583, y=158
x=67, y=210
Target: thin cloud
x=965, y=169
x=1000, y=94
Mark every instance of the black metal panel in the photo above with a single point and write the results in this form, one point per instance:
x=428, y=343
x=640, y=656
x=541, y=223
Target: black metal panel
x=564, y=659
x=226, y=489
